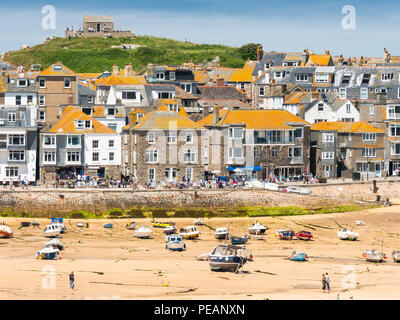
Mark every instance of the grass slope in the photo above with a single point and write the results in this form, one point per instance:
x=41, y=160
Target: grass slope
x=96, y=54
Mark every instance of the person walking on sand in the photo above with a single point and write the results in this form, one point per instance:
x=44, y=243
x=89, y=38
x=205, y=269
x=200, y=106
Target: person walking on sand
x=327, y=281
x=323, y=282
x=72, y=280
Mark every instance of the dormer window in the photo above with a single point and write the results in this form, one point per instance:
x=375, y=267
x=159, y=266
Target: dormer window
x=22, y=83
x=83, y=124
x=129, y=95
x=111, y=111
x=346, y=79
x=366, y=78
x=57, y=67
x=172, y=76
x=387, y=76
x=160, y=75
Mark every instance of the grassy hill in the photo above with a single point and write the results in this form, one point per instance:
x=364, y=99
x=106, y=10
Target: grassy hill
x=96, y=54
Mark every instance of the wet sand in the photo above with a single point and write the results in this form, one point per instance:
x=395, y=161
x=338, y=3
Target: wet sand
x=112, y=264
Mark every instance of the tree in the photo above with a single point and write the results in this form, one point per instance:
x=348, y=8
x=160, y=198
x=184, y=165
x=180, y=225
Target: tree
x=249, y=51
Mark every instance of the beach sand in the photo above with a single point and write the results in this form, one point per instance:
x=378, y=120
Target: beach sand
x=112, y=264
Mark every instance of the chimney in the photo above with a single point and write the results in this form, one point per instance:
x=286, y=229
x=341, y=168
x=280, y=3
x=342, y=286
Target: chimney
x=115, y=70
x=132, y=119
x=215, y=118
x=128, y=70
x=381, y=98
x=305, y=56
x=315, y=95
x=327, y=53
x=260, y=52
x=220, y=82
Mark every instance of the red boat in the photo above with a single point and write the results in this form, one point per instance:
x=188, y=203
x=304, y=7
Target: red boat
x=304, y=235
x=5, y=231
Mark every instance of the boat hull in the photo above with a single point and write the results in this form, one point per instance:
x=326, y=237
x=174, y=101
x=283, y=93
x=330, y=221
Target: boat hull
x=175, y=246
x=258, y=231
x=222, y=236
x=220, y=263
x=238, y=240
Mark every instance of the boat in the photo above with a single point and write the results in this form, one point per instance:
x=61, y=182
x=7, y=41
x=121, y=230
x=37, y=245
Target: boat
x=347, y=234
x=221, y=233
x=199, y=222
x=254, y=184
x=162, y=224
x=108, y=225
x=304, y=235
x=47, y=253
x=131, y=226
x=239, y=240
x=271, y=186
x=170, y=230
x=80, y=225
x=285, y=234
x=374, y=256
x=396, y=256
x=257, y=228
x=5, y=231
x=298, y=256
x=175, y=243
x=25, y=224
x=59, y=221
x=297, y=190
x=143, y=233
x=360, y=223
x=54, y=243
x=52, y=230
x=227, y=257
x=189, y=232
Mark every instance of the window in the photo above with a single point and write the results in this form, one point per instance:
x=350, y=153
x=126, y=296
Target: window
x=364, y=93
x=129, y=95
x=301, y=77
x=12, y=116
x=348, y=108
x=16, y=155
x=366, y=78
x=321, y=77
x=49, y=157
x=268, y=64
x=49, y=141
x=369, y=152
x=22, y=83
x=189, y=138
x=152, y=174
x=262, y=91
x=279, y=74
x=160, y=75
x=151, y=138
x=12, y=172
x=387, y=76
x=395, y=148
x=327, y=155
x=328, y=137
x=189, y=156
x=18, y=100
x=274, y=152
x=295, y=152
x=95, y=156
x=57, y=67
x=74, y=141
x=73, y=156
x=235, y=152
x=257, y=152
x=3, y=141
x=67, y=82
x=342, y=93
x=165, y=95
x=151, y=156
x=95, y=144
x=394, y=130
x=30, y=99
x=320, y=107
x=298, y=133
x=236, y=133
x=111, y=111
x=42, y=83
x=172, y=76
x=42, y=115
x=111, y=156
x=187, y=87
x=111, y=143
x=346, y=79
x=112, y=126
x=16, y=140
x=90, y=99
x=369, y=136
x=171, y=137
x=398, y=93
x=42, y=101
x=371, y=110
x=189, y=173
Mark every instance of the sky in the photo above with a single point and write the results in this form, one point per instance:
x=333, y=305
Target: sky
x=278, y=25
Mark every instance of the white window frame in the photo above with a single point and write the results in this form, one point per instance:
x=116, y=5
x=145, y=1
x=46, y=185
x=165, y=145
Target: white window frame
x=75, y=153
x=47, y=154
x=328, y=137
x=69, y=83
x=369, y=137
x=328, y=155
x=52, y=141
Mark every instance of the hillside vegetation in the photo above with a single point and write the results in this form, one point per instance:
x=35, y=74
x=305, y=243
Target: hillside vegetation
x=96, y=54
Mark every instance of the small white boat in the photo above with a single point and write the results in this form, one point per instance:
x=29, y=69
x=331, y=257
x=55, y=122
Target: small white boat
x=254, y=184
x=347, y=234
x=271, y=186
x=396, y=256
x=257, y=228
x=199, y=222
x=298, y=190
x=54, y=243
x=360, y=223
x=5, y=231
x=189, y=232
x=374, y=256
x=221, y=233
x=170, y=230
x=175, y=243
x=52, y=230
x=143, y=233
x=80, y=225
x=47, y=253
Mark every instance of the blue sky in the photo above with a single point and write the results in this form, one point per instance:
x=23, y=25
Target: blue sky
x=279, y=25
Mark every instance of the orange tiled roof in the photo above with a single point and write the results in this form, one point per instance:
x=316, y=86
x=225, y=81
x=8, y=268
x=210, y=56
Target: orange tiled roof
x=99, y=112
x=86, y=76
x=2, y=85
x=120, y=80
x=67, y=123
x=164, y=120
x=65, y=71
x=256, y=119
x=319, y=59
x=350, y=127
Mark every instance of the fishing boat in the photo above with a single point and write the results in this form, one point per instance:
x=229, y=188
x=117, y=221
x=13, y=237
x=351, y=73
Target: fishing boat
x=170, y=230
x=239, y=240
x=284, y=234
x=257, y=228
x=54, y=243
x=108, y=225
x=143, y=233
x=162, y=224
x=189, y=232
x=5, y=231
x=47, y=253
x=298, y=256
x=227, y=257
x=131, y=226
x=374, y=256
x=347, y=234
x=199, y=222
x=80, y=225
x=59, y=221
x=396, y=256
x=304, y=235
x=52, y=230
x=175, y=243
x=221, y=233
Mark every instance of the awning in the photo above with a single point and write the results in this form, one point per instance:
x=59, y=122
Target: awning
x=255, y=168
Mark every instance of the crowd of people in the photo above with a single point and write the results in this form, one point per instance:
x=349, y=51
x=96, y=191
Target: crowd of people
x=12, y=183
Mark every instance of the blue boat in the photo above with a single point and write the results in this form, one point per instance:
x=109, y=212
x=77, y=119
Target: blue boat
x=298, y=256
x=239, y=240
x=226, y=257
x=48, y=253
x=108, y=225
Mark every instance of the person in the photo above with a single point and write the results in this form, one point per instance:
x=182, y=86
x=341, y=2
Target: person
x=72, y=280
x=378, y=198
x=327, y=280
x=323, y=282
